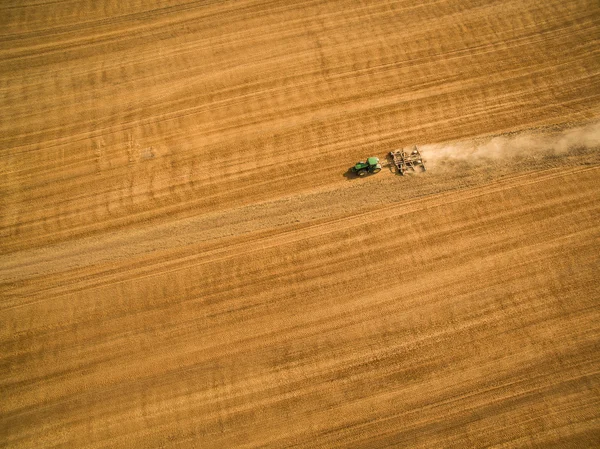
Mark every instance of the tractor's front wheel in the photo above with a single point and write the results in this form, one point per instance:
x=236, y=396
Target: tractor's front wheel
x=362, y=173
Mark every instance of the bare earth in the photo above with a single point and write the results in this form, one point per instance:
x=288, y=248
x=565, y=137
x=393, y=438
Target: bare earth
x=186, y=263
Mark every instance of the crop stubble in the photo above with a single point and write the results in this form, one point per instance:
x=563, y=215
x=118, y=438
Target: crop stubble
x=184, y=263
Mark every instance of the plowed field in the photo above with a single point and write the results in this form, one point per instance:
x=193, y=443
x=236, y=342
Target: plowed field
x=186, y=262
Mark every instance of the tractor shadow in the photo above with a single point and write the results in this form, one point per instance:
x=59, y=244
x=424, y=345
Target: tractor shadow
x=350, y=175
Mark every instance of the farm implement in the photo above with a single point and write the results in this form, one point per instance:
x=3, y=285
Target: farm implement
x=404, y=161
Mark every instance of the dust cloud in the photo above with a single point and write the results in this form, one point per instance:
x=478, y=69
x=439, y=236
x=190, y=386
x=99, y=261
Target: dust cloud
x=518, y=145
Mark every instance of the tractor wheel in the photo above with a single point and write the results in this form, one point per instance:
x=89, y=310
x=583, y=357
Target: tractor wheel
x=376, y=170
x=362, y=173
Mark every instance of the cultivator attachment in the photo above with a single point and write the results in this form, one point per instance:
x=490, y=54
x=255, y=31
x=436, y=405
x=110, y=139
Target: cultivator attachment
x=407, y=161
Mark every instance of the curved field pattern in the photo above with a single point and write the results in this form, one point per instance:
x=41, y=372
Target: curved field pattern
x=186, y=262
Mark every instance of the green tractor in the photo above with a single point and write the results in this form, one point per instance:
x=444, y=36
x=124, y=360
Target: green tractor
x=372, y=165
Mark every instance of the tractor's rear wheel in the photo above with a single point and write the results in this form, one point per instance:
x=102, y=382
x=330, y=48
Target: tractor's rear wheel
x=362, y=172
x=376, y=170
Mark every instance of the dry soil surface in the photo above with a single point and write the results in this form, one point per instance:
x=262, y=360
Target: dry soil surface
x=185, y=261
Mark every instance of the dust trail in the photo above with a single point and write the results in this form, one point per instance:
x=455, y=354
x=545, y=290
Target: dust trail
x=519, y=145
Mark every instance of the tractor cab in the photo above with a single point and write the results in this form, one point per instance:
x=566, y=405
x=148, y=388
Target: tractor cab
x=373, y=161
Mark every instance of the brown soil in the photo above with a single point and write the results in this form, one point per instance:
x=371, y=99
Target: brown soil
x=185, y=262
